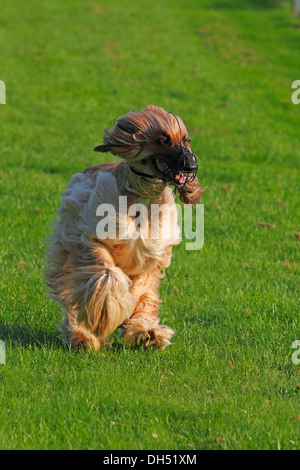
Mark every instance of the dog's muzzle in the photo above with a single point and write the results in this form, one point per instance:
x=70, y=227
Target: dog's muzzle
x=180, y=165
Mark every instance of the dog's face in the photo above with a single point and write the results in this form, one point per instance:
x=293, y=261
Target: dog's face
x=155, y=143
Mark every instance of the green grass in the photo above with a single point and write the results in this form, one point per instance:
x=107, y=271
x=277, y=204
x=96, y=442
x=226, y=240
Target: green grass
x=226, y=67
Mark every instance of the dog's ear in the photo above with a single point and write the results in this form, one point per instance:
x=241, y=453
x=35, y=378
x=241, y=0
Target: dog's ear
x=127, y=125
x=118, y=136
x=191, y=193
x=102, y=148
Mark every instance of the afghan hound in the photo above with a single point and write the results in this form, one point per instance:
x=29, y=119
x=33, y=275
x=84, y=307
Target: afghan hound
x=105, y=279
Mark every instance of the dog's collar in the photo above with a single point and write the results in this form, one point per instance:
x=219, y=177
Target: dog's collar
x=140, y=173
x=143, y=185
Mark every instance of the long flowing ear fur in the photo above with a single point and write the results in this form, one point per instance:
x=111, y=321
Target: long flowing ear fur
x=191, y=193
x=102, y=148
x=122, y=139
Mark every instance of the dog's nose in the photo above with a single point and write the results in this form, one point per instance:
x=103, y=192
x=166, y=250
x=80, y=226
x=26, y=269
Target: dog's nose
x=189, y=162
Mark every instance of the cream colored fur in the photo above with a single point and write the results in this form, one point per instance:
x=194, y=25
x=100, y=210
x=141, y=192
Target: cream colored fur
x=103, y=284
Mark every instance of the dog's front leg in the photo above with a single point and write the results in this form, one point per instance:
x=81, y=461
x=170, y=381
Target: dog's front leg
x=143, y=328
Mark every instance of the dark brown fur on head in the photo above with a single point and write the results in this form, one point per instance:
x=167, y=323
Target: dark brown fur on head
x=146, y=140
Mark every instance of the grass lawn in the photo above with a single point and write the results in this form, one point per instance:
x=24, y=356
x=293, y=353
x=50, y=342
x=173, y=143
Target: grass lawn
x=226, y=67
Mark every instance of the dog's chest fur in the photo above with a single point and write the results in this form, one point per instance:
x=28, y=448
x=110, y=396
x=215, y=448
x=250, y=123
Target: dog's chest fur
x=138, y=243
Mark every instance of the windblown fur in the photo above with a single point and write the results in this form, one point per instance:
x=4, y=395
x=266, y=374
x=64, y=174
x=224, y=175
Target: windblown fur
x=103, y=284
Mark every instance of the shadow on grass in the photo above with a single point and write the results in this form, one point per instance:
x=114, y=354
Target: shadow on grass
x=22, y=335
x=17, y=335
x=245, y=4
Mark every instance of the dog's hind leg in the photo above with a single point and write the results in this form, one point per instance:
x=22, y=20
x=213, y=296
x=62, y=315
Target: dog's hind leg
x=97, y=299
x=143, y=328
x=77, y=335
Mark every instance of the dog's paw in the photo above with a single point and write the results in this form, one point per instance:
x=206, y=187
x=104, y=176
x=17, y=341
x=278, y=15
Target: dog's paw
x=88, y=342
x=157, y=337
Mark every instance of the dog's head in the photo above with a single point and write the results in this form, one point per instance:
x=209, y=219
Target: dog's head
x=154, y=143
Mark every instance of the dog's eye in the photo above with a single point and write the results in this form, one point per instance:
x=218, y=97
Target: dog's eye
x=186, y=140
x=164, y=139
